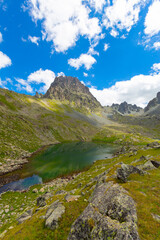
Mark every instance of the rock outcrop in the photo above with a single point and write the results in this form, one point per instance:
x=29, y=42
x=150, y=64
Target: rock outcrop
x=72, y=90
x=126, y=108
x=53, y=214
x=126, y=170
x=25, y=216
x=111, y=214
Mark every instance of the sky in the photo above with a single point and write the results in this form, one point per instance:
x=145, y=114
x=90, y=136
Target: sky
x=112, y=46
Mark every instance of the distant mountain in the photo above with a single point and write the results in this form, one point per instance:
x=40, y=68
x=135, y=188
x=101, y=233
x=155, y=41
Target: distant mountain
x=155, y=102
x=126, y=108
x=72, y=90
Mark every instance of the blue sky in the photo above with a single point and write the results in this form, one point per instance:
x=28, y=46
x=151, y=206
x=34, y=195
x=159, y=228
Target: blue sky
x=112, y=46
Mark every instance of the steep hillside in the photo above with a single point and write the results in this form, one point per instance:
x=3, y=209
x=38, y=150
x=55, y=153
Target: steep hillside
x=27, y=123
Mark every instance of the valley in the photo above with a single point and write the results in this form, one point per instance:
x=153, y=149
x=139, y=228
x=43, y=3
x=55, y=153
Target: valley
x=69, y=115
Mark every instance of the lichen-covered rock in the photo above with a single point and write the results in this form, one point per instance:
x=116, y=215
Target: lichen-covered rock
x=41, y=201
x=53, y=215
x=146, y=166
x=25, y=216
x=111, y=214
x=125, y=170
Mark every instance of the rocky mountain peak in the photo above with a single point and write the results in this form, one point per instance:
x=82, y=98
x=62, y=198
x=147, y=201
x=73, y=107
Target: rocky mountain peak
x=153, y=103
x=126, y=108
x=65, y=88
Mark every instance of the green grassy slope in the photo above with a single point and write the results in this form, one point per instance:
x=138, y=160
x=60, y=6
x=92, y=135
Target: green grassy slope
x=26, y=123
x=144, y=190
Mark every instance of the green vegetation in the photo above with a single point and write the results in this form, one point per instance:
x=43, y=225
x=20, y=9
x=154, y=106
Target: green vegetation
x=144, y=190
x=27, y=123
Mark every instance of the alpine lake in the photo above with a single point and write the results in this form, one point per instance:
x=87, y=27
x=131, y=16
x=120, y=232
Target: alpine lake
x=57, y=161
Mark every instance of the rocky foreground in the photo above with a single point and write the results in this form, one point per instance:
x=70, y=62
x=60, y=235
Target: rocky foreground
x=115, y=199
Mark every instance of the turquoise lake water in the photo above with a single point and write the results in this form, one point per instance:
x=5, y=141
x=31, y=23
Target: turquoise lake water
x=59, y=160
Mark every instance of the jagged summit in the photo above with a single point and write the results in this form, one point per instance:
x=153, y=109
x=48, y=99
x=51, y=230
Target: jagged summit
x=153, y=103
x=126, y=108
x=72, y=90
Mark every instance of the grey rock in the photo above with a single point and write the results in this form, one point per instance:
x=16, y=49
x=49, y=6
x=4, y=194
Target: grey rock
x=124, y=172
x=111, y=214
x=26, y=215
x=156, y=163
x=146, y=166
x=53, y=214
x=41, y=201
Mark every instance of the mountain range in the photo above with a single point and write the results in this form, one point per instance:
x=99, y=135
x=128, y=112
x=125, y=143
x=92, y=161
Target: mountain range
x=106, y=199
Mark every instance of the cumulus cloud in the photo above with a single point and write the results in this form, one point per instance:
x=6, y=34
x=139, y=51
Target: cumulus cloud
x=45, y=77
x=1, y=38
x=138, y=90
x=23, y=85
x=34, y=39
x=156, y=67
x=152, y=20
x=106, y=46
x=156, y=45
x=64, y=21
x=85, y=60
x=5, y=61
x=97, y=4
x=122, y=14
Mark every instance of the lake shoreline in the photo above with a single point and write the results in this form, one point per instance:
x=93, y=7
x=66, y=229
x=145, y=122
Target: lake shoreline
x=7, y=169
x=14, y=172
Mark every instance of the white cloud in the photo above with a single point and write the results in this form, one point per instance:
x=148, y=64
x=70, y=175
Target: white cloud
x=97, y=4
x=63, y=21
x=114, y=33
x=152, y=20
x=156, y=67
x=23, y=85
x=34, y=39
x=85, y=74
x=156, y=45
x=42, y=76
x=122, y=14
x=60, y=74
x=1, y=38
x=138, y=90
x=106, y=46
x=85, y=60
x=5, y=61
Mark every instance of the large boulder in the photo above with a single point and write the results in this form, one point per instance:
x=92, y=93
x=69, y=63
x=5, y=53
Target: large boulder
x=53, y=214
x=111, y=214
x=125, y=170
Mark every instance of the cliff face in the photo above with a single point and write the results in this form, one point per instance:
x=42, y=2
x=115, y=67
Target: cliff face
x=72, y=90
